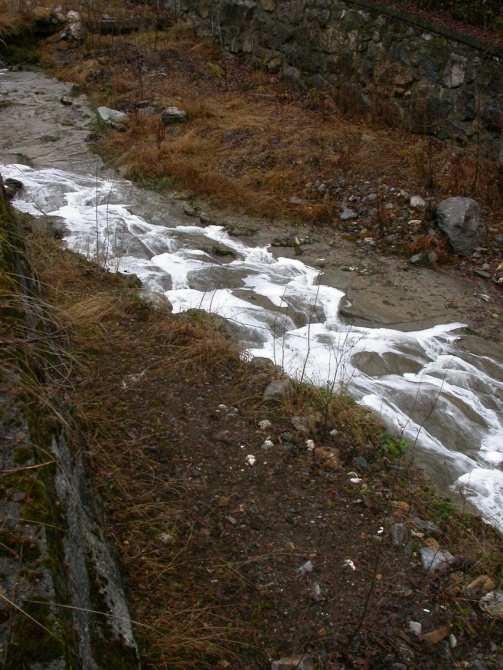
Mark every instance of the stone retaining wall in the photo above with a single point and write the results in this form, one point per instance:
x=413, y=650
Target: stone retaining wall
x=376, y=60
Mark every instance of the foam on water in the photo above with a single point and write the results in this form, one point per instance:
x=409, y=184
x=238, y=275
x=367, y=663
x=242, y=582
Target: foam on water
x=447, y=401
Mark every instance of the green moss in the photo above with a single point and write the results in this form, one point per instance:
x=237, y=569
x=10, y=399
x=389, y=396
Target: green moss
x=22, y=455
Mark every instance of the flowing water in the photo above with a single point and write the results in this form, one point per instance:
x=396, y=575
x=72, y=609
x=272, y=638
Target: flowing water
x=444, y=397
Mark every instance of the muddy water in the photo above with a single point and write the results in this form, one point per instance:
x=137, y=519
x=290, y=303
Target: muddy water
x=396, y=340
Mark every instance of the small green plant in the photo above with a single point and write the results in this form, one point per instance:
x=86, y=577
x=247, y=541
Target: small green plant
x=443, y=508
x=394, y=447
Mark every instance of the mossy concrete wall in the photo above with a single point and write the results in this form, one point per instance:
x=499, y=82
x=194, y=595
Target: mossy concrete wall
x=376, y=60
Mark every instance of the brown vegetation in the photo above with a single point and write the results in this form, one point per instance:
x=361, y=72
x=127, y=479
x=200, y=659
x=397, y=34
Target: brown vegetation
x=254, y=144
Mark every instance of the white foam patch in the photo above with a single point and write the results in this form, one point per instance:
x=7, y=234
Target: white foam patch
x=448, y=401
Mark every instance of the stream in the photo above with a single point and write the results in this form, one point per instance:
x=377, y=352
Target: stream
x=426, y=382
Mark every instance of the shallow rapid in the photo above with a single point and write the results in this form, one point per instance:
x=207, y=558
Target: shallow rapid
x=448, y=401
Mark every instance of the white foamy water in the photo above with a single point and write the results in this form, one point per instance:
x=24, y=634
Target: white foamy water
x=448, y=401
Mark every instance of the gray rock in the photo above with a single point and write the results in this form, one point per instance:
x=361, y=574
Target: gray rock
x=347, y=214
x=112, y=117
x=435, y=559
x=302, y=662
x=65, y=100
x=461, y=220
x=426, y=526
x=172, y=115
x=492, y=604
x=425, y=258
x=499, y=240
x=277, y=389
x=483, y=274
x=399, y=534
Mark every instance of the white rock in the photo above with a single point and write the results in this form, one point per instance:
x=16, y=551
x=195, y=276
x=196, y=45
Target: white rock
x=310, y=445
x=492, y=604
x=416, y=628
x=111, y=117
x=267, y=444
x=250, y=459
x=305, y=568
x=417, y=202
x=348, y=563
x=265, y=424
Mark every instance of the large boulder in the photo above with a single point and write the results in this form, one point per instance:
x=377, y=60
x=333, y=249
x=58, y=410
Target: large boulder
x=461, y=220
x=112, y=117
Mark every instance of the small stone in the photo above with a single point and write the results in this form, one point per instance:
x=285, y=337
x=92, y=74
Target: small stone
x=431, y=543
x=417, y=202
x=277, y=389
x=416, y=628
x=453, y=642
x=426, y=526
x=437, y=635
x=482, y=273
x=434, y=560
x=65, y=100
x=360, y=463
x=224, y=436
x=267, y=444
x=172, y=115
x=166, y=538
x=306, y=568
x=481, y=584
x=347, y=214
x=399, y=534
x=316, y=592
x=250, y=460
x=328, y=458
x=265, y=424
x=492, y=604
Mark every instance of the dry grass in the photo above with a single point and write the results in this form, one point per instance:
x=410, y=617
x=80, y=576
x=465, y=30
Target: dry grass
x=251, y=143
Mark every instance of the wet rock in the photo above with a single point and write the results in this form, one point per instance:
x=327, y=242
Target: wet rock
x=277, y=389
x=399, y=534
x=173, y=115
x=461, y=220
x=12, y=187
x=492, y=604
x=434, y=560
x=112, y=117
x=302, y=662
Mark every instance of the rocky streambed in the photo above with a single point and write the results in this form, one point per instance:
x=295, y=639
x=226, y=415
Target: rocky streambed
x=422, y=348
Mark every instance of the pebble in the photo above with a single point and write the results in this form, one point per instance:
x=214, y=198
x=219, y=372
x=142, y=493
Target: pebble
x=267, y=444
x=399, y=534
x=492, y=604
x=250, y=459
x=306, y=568
x=416, y=628
x=265, y=424
x=435, y=559
x=65, y=100
x=347, y=214
x=417, y=202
